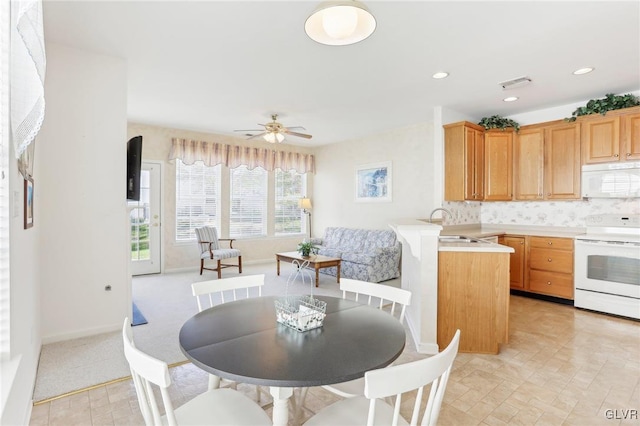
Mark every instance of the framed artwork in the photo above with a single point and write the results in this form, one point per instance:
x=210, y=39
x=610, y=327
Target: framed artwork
x=28, y=203
x=373, y=182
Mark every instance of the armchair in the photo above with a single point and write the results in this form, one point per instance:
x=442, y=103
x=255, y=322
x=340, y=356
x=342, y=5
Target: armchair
x=209, y=245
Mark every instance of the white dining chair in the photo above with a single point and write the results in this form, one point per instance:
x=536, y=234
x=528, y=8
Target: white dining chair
x=223, y=290
x=214, y=407
x=378, y=295
x=393, y=382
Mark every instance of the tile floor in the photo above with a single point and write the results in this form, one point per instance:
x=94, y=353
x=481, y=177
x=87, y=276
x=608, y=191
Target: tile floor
x=562, y=366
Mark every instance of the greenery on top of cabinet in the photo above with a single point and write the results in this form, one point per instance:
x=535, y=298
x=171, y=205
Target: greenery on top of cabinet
x=609, y=103
x=498, y=122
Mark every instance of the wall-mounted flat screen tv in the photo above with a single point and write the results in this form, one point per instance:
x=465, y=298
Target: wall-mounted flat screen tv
x=134, y=163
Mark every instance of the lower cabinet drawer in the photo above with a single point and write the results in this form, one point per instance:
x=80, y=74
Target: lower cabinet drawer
x=550, y=283
x=552, y=260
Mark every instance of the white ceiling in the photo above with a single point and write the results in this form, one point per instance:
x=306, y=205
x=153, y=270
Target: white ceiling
x=216, y=66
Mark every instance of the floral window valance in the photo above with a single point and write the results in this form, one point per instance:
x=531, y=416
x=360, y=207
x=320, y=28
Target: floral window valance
x=190, y=151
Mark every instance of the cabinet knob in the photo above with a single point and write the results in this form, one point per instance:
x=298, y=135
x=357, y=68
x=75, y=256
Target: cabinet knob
x=548, y=282
x=549, y=242
x=628, y=154
x=615, y=155
x=549, y=260
x=521, y=242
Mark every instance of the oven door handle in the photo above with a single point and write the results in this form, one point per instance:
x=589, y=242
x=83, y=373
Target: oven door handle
x=591, y=243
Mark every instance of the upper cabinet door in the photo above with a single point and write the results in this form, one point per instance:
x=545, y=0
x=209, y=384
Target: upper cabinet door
x=463, y=161
x=498, y=165
x=601, y=140
x=630, y=148
x=529, y=164
x=562, y=162
x=478, y=166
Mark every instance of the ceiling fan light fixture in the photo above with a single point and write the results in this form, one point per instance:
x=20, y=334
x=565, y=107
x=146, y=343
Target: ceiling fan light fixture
x=273, y=137
x=340, y=23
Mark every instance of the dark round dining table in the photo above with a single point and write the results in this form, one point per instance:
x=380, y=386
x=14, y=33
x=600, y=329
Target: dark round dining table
x=242, y=341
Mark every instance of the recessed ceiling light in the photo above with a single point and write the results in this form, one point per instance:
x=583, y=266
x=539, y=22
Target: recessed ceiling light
x=510, y=99
x=440, y=75
x=583, y=71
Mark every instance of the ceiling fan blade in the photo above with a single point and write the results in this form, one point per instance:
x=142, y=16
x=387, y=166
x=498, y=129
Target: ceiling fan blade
x=250, y=130
x=300, y=135
x=296, y=127
x=257, y=136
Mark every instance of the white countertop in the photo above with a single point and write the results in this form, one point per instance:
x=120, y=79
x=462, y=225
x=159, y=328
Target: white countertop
x=482, y=231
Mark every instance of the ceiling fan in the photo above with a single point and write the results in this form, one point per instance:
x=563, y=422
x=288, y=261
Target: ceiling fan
x=275, y=132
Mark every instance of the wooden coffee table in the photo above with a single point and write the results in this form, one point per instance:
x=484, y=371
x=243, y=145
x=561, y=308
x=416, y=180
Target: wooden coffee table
x=316, y=261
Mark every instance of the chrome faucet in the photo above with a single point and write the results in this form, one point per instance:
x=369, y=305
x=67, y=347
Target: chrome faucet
x=443, y=210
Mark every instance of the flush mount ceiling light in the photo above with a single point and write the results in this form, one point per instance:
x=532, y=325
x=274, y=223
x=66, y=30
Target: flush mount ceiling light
x=441, y=74
x=339, y=23
x=511, y=99
x=581, y=71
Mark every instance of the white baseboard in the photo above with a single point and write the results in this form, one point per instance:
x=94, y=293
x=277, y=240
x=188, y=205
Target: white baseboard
x=81, y=333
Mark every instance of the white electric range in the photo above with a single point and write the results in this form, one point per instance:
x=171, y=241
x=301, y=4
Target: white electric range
x=607, y=265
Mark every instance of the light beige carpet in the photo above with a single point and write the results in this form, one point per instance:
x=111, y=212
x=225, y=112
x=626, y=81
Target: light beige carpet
x=166, y=302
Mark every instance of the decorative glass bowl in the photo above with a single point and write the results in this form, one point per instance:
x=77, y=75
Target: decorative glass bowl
x=301, y=313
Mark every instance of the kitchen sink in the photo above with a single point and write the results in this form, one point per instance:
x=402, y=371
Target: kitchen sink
x=458, y=239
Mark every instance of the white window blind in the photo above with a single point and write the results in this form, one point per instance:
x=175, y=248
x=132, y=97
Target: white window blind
x=197, y=198
x=248, y=210
x=5, y=307
x=290, y=187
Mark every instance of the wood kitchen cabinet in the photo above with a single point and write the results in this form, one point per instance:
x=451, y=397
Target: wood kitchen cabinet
x=612, y=137
x=528, y=162
x=547, y=162
x=473, y=296
x=551, y=266
x=498, y=165
x=464, y=161
x=562, y=165
x=516, y=260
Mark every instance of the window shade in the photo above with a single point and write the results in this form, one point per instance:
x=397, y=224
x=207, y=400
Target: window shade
x=197, y=198
x=290, y=186
x=248, y=215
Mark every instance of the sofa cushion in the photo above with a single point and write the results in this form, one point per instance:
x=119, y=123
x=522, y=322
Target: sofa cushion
x=378, y=239
x=346, y=239
x=362, y=258
x=331, y=252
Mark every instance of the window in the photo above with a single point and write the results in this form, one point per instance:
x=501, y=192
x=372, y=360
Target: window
x=197, y=198
x=290, y=187
x=248, y=210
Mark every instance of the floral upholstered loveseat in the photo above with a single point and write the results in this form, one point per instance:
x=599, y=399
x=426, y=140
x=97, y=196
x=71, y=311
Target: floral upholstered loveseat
x=367, y=254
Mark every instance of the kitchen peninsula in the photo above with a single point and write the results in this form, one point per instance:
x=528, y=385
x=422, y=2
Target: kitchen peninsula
x=457, y=283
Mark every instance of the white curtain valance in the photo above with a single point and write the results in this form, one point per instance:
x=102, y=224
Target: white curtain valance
x=28, y=63
x=190, y=151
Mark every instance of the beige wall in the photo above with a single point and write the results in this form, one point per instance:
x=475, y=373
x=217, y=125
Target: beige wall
x=82, y=217
x=410, y=151
x=156, y=145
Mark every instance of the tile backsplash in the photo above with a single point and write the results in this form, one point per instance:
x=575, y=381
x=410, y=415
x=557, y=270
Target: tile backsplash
x=543, y=213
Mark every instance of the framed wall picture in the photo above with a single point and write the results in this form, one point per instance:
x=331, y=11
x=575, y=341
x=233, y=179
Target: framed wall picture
x=373, y=182
x=28, y=203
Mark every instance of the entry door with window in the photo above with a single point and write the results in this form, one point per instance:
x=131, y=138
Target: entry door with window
x=144, y=218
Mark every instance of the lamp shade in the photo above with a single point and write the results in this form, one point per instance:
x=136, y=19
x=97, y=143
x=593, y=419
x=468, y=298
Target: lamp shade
x=304, y=203
x=339, y=23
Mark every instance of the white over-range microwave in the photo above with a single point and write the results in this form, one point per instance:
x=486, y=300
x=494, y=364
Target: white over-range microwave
x=611, y=180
